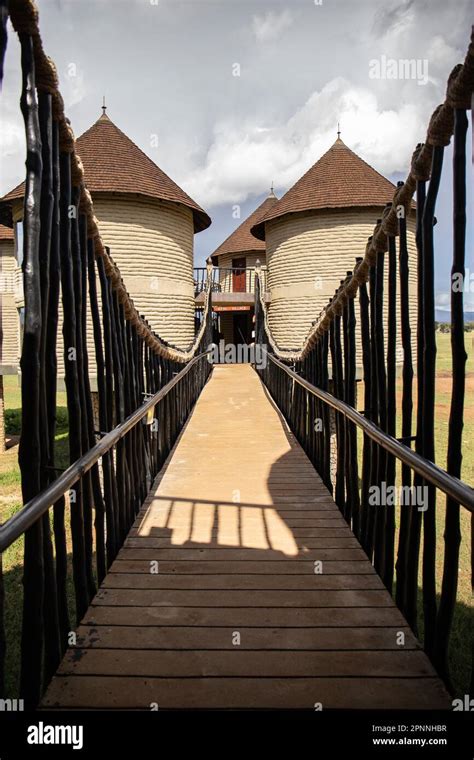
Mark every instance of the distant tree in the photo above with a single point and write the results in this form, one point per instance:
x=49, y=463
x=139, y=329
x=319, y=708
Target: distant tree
x=445, y=327
x=469, y=327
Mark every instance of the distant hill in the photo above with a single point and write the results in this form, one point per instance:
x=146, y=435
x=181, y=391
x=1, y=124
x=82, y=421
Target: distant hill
x=445, y=316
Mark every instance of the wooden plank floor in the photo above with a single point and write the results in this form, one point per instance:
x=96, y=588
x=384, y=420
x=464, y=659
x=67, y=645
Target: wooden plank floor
x=215, y=600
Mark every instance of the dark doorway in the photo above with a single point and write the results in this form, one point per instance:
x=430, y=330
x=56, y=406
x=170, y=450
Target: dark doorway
x=242, y=328
x=238, y=275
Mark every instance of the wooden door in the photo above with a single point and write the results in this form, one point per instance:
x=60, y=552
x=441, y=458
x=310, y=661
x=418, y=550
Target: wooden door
x=238, y=275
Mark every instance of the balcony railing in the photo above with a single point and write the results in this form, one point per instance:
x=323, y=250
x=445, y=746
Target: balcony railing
x=228, y=280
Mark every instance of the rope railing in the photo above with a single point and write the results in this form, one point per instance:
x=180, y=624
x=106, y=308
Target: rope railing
x=74, y=522
x=386, y=492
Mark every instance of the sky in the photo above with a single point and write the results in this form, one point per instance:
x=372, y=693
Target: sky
x=230, y=96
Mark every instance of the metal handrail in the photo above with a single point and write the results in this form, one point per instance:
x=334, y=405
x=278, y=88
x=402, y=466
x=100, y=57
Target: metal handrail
x=453, y=487
x=39, y=505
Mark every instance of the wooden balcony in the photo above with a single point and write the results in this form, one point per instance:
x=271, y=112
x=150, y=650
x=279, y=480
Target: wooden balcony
x=229, y=286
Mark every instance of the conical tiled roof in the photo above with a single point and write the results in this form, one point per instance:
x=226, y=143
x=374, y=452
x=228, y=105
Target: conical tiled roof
x=114, y=164
x=340, y=179
x=242, y=239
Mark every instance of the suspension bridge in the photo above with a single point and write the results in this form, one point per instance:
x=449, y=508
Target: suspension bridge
x=265, y=578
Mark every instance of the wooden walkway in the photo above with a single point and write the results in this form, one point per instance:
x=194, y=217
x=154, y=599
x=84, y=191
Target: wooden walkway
x=215, y=600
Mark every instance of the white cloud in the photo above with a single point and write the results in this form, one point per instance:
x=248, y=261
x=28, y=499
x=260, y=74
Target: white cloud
x=12, y=149
x=72, y=85
x=443, y=298
x=441, y=57
x=11, y=137
x=441, y=53
x=271, y=25
x=394, y=19
x=244, y=157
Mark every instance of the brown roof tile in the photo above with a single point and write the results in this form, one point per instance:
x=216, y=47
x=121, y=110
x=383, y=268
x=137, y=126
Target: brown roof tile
x=6, y=233
x=241, y=239
x=113, y=163
x=340, y=179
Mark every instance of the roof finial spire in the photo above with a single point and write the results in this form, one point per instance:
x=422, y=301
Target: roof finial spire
x=271, y=188
x=338, y=131
x=104, y=107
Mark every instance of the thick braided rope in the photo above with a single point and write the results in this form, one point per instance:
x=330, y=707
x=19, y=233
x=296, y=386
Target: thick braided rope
x=289, y=355
x=459, y=91
x=25, y=21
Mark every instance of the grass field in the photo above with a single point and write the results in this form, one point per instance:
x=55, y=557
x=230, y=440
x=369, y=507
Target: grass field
x=460, y=642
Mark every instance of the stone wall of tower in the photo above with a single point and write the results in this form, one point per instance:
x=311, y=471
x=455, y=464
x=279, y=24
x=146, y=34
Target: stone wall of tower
x=307, y=256
x=152, y=244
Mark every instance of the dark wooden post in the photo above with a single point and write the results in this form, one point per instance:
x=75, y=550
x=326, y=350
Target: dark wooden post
x=413, y=558
x=407, y=411
x=51, y=370
x=30, y=442
x=429, y=371
x=367, y=446
x=391, y=410
x=381, y=380
x=452, y=532
x=373, y=415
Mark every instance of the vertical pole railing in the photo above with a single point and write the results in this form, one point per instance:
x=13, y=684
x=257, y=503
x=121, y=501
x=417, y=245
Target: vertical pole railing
x=381, y=380
x=428, y=405
x=407, y=412
x=336, y=359
x=366, y=445
x=413, y=557
x=350, y=398
x=389, y=559
x=29, y=452
x=49, y=288
x=373, y=414
x=452, y=531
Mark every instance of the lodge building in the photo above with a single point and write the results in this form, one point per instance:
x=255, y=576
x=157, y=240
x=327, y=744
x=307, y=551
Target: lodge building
x=234, y=289
x=314, y=234
x=306, y=241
